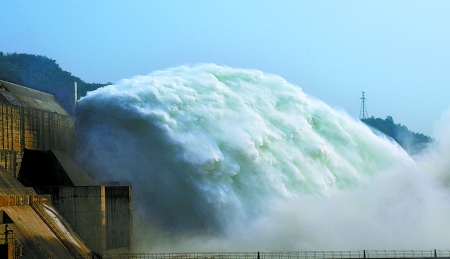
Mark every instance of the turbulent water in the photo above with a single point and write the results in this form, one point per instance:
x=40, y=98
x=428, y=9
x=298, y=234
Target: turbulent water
x=224, y=159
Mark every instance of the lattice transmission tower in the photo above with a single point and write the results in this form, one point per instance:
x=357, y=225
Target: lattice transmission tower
x=363, y=112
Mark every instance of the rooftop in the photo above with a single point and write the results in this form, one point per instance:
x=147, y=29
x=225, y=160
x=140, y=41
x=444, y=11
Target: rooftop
x=23, y=96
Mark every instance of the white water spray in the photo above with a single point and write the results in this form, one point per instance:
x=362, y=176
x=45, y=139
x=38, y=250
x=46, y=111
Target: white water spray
x=227, y=159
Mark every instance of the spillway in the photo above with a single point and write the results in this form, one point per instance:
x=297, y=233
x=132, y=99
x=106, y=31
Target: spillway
x=237, y=159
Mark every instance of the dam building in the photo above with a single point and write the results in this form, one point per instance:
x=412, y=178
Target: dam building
x=50, y=207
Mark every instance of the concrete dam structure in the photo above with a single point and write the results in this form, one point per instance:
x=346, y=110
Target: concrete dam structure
x=49, y=207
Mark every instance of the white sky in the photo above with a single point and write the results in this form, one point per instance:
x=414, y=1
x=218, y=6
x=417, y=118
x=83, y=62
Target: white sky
x=398, y=52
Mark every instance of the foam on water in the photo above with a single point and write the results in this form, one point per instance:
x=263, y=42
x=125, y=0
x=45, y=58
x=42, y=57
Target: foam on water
x=255, y=163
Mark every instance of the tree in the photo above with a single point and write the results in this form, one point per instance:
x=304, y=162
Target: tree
x=41, y=73
x=412, y=142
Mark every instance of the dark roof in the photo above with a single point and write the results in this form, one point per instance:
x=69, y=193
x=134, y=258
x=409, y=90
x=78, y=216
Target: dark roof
x=75, y=173
x=23, y=96
x=51, y=168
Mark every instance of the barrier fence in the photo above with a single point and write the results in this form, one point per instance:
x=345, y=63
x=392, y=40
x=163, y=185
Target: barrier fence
x=291, y=255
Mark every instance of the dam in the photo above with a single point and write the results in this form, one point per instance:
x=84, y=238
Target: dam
x=197, y=164
x=50, y=207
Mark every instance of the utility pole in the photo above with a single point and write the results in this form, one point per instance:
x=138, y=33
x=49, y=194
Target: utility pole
x=75, y=93
x=363, y=112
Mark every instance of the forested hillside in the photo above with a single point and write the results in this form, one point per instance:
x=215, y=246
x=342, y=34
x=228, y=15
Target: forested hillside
x=40, y=73
x=412, y=142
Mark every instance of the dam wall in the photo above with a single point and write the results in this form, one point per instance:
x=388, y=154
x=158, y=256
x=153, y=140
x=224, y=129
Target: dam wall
x=23, y=127
x=30, y=119
x=101, y=215
x=119, y=216
x=32, y=227
x=54, y=208
x=84, y=208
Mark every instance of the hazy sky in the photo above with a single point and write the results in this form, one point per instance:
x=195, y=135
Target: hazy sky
x=398, y=52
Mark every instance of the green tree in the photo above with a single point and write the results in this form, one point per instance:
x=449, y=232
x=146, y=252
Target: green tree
x=43, y=74
x=412, y=142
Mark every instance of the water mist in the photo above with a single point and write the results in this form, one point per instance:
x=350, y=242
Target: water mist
x=224, y=159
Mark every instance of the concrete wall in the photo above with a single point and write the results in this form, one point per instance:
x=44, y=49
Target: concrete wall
x=101, y=215
x=39, y=231
x=23, y=127
x=11, y=161
x=118, y=217
x=85, y=210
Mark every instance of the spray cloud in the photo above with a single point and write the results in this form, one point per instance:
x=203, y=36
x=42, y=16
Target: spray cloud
x=225, y=159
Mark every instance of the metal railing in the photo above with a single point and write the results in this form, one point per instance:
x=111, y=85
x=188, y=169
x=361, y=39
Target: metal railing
x=290, y=255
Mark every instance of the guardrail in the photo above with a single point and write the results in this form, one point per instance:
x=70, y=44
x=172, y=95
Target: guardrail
x=291, y=255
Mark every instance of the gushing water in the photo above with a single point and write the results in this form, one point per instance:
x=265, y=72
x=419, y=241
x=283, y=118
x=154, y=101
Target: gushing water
x=224, y=159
